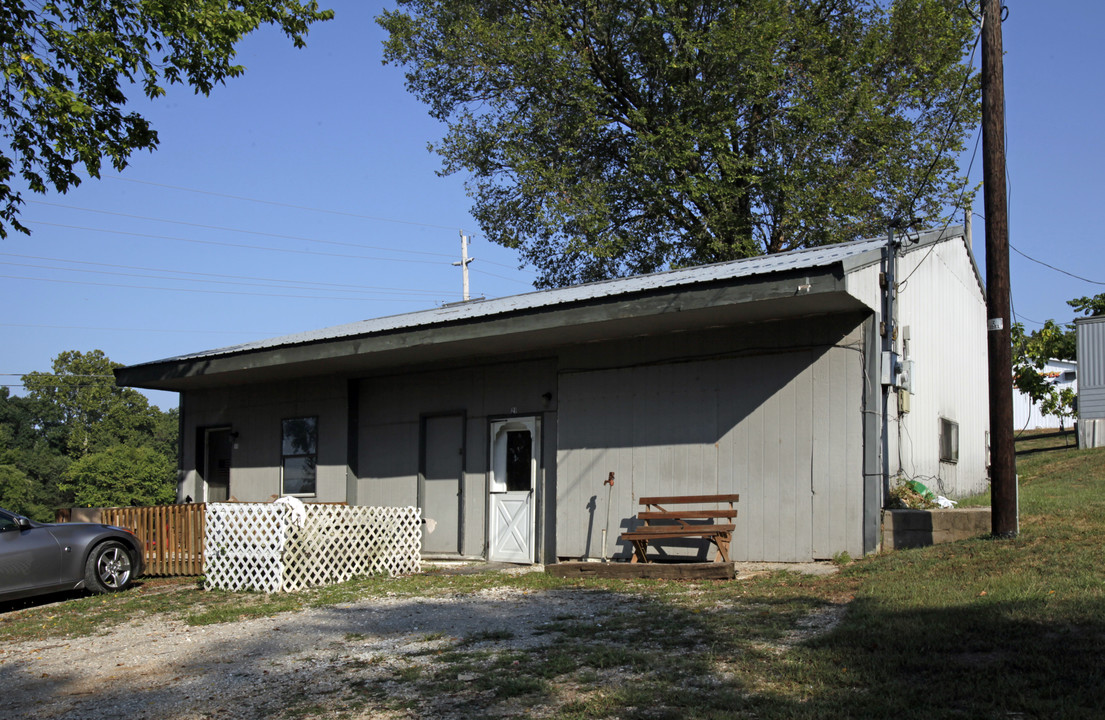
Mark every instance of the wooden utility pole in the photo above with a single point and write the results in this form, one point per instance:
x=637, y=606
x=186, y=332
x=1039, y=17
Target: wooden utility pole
x=463, y=262
x=1003, y=466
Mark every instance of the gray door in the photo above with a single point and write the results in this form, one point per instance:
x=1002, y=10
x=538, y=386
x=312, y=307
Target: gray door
x=440, y=491
x=216, y=473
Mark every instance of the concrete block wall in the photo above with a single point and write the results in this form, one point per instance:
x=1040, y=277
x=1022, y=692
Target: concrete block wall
x=920, y=528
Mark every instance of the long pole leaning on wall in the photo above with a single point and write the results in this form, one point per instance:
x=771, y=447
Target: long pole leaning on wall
x=1003, y=467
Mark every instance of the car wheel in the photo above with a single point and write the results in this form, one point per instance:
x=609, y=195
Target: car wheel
x=109, y=568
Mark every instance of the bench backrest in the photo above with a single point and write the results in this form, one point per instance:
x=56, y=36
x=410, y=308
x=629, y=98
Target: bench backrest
x=690, y=499
x=686, y=514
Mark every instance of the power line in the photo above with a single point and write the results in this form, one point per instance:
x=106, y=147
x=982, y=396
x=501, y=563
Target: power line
x=947, y=131
x=66, y=386
x=501, y=277
x=56, y=375
x=230, y=279
x=276, y=203
x=245, y=246
x=290, y=286
x=1058, y=270
x=294, y=207
x=948, y=222
x=257, y=232
x=239, y=333
x=264, y=248
x=192, y=290
x=236, y=230
x=966, y=176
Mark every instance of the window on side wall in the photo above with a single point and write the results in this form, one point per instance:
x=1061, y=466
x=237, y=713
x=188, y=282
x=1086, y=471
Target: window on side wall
x=949, y=441
x=299, y=461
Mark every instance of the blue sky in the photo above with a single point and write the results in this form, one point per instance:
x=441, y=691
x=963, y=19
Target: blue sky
x=312, y=169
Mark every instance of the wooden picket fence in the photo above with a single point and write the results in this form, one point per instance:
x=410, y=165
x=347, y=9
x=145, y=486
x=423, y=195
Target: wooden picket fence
x=338, y=542
x=174, y=535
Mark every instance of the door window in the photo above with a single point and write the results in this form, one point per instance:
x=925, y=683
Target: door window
x=513, y=455
x=519, y=456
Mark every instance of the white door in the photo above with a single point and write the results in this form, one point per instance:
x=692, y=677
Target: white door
x=513, y=485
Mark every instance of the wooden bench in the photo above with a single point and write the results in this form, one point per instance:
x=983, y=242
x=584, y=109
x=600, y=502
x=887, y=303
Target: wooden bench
x=684, y=523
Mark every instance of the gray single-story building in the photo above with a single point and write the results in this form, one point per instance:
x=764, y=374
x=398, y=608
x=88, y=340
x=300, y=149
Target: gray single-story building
x=502, y=418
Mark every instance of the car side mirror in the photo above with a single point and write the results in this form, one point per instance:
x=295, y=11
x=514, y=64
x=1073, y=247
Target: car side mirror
x=23, y=523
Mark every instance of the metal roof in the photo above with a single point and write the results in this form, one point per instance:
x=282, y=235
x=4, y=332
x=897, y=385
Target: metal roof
x=850, y=255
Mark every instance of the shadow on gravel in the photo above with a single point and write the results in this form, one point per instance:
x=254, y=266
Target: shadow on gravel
x=584, y=654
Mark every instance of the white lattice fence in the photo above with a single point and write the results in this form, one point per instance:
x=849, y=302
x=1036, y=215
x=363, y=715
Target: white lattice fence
x=275, y=547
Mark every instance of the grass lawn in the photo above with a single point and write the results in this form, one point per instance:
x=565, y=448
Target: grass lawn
x=976, y=629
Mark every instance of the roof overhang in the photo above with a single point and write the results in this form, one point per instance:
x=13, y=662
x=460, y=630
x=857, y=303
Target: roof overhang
x=533, y=329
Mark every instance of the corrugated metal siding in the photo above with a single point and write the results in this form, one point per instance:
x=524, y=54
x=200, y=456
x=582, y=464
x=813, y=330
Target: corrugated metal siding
x=1091, y=403
x=391, y=409
x=942, y=305
x=838, y=453
x=1091, y=368
x=863, y=284
x=255, y=412
x=745, y=425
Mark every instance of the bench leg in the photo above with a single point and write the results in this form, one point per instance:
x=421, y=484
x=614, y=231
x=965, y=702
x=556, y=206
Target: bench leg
x=639, y=547
x=722, y=542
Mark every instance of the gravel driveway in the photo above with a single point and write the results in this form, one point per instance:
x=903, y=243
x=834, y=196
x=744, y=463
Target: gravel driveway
x=153, y=668
x=377, y=657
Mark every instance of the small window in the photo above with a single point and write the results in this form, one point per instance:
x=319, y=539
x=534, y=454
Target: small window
x=949, y=441
x=299, y=461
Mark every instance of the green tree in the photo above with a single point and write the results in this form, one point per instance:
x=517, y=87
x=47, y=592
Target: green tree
x=68, y=66
x=73, y=414
x=1031, y=351
x=1089, y=305
x=86, y=411
x=17, y=493
x=32, y=465
x=613, y=137
x=165, y=437
x=121, y=476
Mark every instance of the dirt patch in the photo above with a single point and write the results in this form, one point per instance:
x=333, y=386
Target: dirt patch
x=495, y=650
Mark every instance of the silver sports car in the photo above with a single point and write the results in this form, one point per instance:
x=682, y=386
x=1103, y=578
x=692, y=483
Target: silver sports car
x=38, y=558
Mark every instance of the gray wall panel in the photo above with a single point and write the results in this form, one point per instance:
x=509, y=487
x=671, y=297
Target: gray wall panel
x=389, y=464
x=1091, y=403
x=763, y=426
x=255, y=413
x=820, y=460
x=392, y=406
x=836, y=427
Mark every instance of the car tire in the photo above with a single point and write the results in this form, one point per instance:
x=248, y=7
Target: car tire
x=109, y=568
